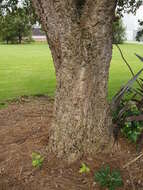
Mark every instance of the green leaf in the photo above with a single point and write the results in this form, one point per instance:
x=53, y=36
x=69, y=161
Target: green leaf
x=37, y=160
x=34, y=163
x=84, y=168
x=109, y=179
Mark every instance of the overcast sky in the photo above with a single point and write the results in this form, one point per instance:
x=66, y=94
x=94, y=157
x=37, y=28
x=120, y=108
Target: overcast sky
x=131, y=21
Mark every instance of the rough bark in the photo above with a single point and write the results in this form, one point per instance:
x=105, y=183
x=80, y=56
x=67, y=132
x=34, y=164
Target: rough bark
x=79, y=34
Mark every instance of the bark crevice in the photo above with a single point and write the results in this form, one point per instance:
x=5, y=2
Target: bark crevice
x=79, y=5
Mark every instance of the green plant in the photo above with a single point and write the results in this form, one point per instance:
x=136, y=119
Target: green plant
x=109, y=179
x=132, y=130
x=126, y=117
x=84, y=168
x=127, y=107
x=37, y=160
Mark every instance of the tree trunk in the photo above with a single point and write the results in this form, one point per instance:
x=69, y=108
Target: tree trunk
x=19, y=38
x=80, y=39
x=7, y=41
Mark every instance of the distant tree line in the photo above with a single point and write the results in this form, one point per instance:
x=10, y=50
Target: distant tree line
x=18, y=16
x=16, y=20
x=139, y=36
x=119, y=31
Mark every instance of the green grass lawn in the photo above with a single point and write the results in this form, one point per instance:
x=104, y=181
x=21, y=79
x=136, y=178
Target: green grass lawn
x=28, y=69
x=119, y=73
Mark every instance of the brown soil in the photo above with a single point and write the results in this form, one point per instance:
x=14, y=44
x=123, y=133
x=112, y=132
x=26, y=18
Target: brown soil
x=24, y=128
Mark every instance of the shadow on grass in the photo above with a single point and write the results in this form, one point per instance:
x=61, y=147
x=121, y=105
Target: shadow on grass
x=3, y=105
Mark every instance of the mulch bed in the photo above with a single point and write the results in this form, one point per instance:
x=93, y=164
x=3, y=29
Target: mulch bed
x=24, y=128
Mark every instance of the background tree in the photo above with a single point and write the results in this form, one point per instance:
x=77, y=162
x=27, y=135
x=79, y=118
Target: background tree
x=139, y=35
x=128, y=6
x=16, y=20
x=119, y=32
x=7, y=29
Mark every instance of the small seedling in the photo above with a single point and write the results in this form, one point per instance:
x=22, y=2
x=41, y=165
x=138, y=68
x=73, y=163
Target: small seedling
x=132, y=130
x=84, y=168
x=37, y=160
x=109, y=179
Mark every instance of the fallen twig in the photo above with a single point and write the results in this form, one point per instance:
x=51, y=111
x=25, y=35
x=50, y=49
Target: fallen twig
x=132, y=161
x=21, y=169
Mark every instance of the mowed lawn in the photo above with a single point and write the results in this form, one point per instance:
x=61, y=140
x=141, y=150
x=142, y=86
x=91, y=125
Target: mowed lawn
x=28, y=69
